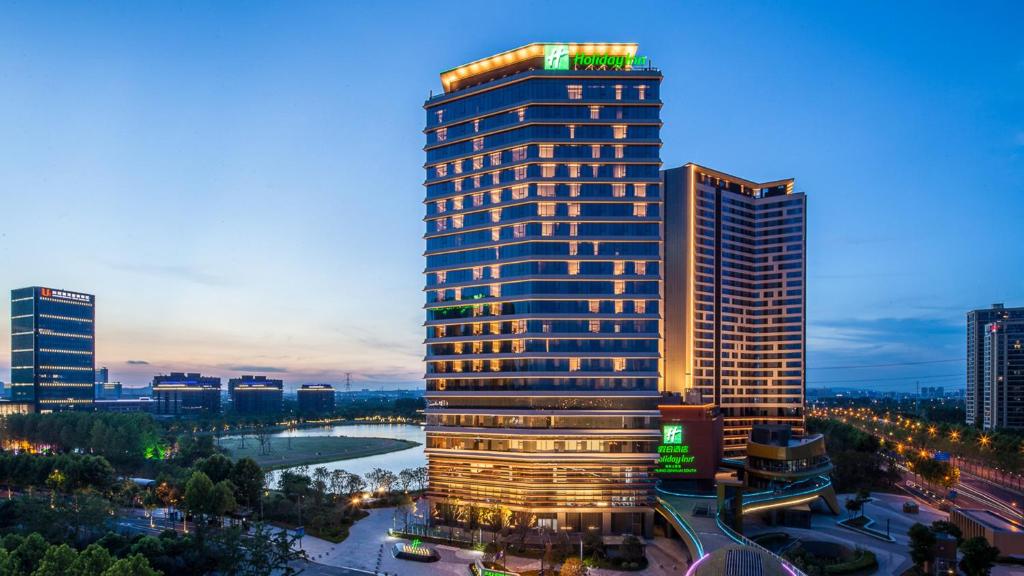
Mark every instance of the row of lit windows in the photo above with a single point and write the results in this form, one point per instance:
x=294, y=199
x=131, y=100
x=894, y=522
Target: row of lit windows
x=546, y=267
x=522, y=192
x=544, y=210
x=547, y=169
x=551, y=327
x=638, y=267
x=543, y=365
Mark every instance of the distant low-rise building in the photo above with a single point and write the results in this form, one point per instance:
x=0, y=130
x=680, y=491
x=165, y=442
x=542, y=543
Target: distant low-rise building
x=316, y=399
x=126, y=405
x=182, y=394
x=999, y=531
x=256, y=394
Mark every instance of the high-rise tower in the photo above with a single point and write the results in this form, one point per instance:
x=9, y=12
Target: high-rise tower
x=735, y=272
x=53, y=352
x=543, y=285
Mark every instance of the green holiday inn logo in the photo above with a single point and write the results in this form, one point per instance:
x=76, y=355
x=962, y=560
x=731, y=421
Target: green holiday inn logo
x=556, y=56
x=672, y=434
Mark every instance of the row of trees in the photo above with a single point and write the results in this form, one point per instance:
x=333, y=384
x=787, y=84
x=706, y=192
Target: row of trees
x=856, y=458
x=34, y=556
x=123, y=439
x=60, y=472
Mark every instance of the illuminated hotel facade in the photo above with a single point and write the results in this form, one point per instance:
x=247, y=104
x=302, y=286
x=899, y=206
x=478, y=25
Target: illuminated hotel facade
x=543, y=286
x=735, y=271
x=53, y=352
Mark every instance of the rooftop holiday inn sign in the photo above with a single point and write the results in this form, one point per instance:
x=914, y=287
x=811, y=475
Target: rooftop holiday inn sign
x=674, y=453
x=556, y=57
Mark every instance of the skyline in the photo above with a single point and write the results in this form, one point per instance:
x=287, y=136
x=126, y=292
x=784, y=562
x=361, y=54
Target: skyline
x=252, y=135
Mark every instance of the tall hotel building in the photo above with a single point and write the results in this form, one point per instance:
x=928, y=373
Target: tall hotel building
x=978, y=408
x=734, y=298
x=543, y=285
x=53, y=352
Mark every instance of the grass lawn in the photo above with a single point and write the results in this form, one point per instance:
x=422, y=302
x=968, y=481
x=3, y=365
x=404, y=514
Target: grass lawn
x=312, y=449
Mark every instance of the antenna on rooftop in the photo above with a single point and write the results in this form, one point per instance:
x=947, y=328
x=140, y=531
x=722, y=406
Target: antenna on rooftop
x=348, y=382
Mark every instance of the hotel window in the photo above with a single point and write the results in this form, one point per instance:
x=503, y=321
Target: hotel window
x=641, y=92
x=597, y=248
x=495, y=290
x=547, y=170
x=546, y=190
x=478, y=272
x=545, y=327
x=496, y=215
x=457, y=203
x=478, y=162
x=518, y=346
x=619, y=287
x=640, y=306
x=618, y=267
x=495, y=309
x=574, y=267
x=572, y=131
x=495, y=271
x=457, y=165
x=519, y=173
x=478, y=329
x=620, y=151
x=441, y=206
x=618, y=306
x=574, y=170
x=457, y=347
x=441, y=331
x=618, y=91
x=595, y=112
x=619, y=171
x=619, y=364
x=478, y=144
x=478, y=365
x=458, y=184
x=574, y=364
x=519, y=326
x=519, y=153
x=441, y=170
x=618, y=190
x=574, y=209
x=640, y=209
x=478, y=310
x=640, y=268
x=546, y=151
x=495, y=158
x=458, y=293
x=574, y=230
x=495, y=365
x=495, y=327
x=440, y=225
x=457, y=221
x=640, y=190
x=546, y=209
x=440, y=116
x=521, y=114
x=521, y=191
x=476, y=125
x=496, y=347
x=495, y=196
x=595, y=150
x=595, y=326
x=619, y=131
x=439, y=295
x=495, y=234
x=574, y=189
x=547, y=229
x=457, y=366
x=478, y=199
x=594, y=306
x=442, y=277
x=574, y=248
x=575, y=92
x=595, y=170
x=519, y=231
x=442, y=134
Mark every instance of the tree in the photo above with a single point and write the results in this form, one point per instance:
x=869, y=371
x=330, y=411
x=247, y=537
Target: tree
x=922, y=543
x=978, y=556
x=95, y=559
x=381, y=480
x=354, y=484
x=946, y=527
x=217, y=467
x=406, y=478
x=573, y=567
x=29, y=553
x=57, y=561
x=854, y=505
x=247, y=476
x=222, y=499
x=136, y=565
x=268, y=552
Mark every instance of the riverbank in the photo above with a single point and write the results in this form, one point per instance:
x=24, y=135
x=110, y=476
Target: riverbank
x=309, y=450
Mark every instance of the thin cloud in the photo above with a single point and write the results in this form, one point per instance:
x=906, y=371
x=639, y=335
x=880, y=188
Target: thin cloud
x=253, y=368
x=187, y=273
x=137, y=362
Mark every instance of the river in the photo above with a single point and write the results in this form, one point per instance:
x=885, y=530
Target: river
x=394, y=461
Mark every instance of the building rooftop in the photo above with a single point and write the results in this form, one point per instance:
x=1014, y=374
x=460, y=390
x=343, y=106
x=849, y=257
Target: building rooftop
x=992, y=520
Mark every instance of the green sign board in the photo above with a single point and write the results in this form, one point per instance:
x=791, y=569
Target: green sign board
x=556, y=56
x=674, y=454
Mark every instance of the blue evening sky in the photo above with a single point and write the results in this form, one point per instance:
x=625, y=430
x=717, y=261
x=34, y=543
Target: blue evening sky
x=240, y=183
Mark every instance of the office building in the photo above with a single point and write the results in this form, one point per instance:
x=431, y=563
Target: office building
x=256, y=395
x=734, y=297
x=102, y=375
x=977, y=320
x=316, y=399
x=543, y=283
x=186, y=394
x=1003, y=381
x=53, y=348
